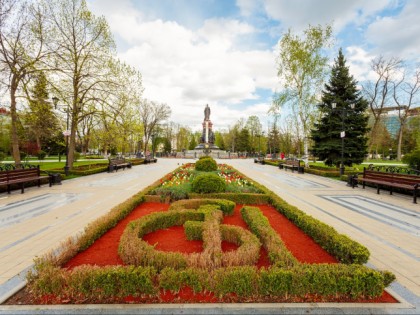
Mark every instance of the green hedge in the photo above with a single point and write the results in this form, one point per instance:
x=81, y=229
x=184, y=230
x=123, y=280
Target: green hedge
x=339, y=245
x=206, y=164
x=242, y=198
x=339, y=280
x=226, y=206
x=277, y=251
x=208, y=183
x=322, y=280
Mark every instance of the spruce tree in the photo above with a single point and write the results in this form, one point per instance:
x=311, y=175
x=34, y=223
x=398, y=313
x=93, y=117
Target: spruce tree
x=341, y=90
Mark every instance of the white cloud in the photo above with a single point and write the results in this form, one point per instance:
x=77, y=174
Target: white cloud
x=187, y=69
x=359, y=62
x=298, y=14
x=397, y=35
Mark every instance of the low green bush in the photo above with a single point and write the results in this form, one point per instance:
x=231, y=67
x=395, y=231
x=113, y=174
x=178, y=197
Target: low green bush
x=226, y=206
x=340, y=246
x=413, y=159
x=208, y=183
x=242, y=198
x=41, y=155
x=206, y=164
x=277, y=251
x=173, y=193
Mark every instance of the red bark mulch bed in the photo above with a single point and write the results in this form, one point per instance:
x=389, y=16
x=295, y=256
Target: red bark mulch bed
x=105, y=252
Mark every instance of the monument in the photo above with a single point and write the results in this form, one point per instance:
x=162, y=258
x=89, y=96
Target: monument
x=207, y=136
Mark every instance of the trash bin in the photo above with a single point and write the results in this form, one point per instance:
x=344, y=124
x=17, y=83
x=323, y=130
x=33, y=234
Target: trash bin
x=55, y=179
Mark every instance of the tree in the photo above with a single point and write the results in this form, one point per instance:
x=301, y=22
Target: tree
x=302, y=68
x=243, y=141
x=151, y=114
x=40, y=118
x=406, y=95
x=83, y=50
x=193, y=142
x=341, y=90
x=255, y=129
x=379, y=94
x=22, y=40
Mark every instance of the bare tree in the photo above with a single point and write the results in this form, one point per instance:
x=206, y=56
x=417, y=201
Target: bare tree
x=22, y=40
x=406, y=96
x=379, y=93
x=151, y=114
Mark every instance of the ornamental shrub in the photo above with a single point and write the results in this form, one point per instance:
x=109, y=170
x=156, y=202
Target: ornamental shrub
x=413, y=159
x=207, y=164
x=208, y=183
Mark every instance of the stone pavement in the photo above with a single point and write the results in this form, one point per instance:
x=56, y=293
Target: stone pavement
x=37, y=221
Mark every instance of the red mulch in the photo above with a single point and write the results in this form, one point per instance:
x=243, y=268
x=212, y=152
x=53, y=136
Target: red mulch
x=105, y=252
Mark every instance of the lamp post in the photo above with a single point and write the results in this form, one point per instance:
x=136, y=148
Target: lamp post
x=343, y=132
x=66, y=134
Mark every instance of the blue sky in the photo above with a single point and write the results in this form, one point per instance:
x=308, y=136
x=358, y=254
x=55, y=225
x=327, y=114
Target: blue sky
x=223, y=52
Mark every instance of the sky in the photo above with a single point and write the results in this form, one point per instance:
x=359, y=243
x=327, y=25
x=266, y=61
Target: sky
x=223, y=52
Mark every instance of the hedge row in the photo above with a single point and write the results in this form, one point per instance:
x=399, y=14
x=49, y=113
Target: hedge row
x=226, y=206
x=277, y=251
x=241, y=198
x=339, y=245
x=322, y=280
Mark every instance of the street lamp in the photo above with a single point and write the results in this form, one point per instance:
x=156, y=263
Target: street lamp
x=343, y=132
x=66, y=134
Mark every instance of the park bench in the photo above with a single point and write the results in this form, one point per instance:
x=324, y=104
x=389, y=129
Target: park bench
x=292, y=164
x=392, y=180
x=260, y=160
x=150, y=159
x=117, y=163
x=22, y=176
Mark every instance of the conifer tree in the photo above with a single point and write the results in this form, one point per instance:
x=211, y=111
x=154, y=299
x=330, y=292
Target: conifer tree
x=342, y=91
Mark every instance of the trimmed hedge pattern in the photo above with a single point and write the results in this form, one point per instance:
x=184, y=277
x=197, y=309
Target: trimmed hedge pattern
x=294, y=279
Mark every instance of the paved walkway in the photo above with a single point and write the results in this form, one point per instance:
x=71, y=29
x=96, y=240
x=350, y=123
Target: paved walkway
x=37, y=221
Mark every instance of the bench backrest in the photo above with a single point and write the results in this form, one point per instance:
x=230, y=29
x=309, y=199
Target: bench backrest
x=408, y=179
x=19, y=174
x=117, y=161
x=293, y=162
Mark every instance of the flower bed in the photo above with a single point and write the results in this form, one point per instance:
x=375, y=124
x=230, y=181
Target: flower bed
x=212, y=260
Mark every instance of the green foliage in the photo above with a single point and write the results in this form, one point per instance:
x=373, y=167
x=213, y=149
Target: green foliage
x=242, y=281
x=340, y=246
x=226, y=206
x=206, y=164
x=2, y=156
x=413, y=159
x=76, y=156
x=173, y=193
x=277, y=251
x=341, y=90
x=208, y=183
x=41, y=155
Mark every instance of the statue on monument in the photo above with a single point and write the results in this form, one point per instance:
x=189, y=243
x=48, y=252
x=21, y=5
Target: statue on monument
x=207, y=137
x=207, y=112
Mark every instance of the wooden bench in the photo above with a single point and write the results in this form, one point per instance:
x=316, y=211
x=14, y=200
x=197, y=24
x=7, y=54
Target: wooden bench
x=150, y=159
x=117, y=163
x=402, y=181
x=22, y=176
x=260, y=160
x=292, y=164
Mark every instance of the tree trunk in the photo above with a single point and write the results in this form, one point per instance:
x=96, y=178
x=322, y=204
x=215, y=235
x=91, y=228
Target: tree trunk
x=14, y=135
x=400, y=136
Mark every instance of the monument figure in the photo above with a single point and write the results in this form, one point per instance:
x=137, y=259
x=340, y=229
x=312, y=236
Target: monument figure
x=207, y=113
x=207, y=136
